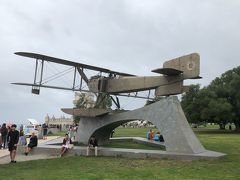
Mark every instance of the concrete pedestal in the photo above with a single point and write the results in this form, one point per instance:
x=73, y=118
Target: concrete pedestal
x=166, y=114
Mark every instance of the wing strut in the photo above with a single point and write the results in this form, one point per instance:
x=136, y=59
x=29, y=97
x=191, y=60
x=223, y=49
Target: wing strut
x=116, y=102
x=82, y=74
x=36, y=87
x=74, y=77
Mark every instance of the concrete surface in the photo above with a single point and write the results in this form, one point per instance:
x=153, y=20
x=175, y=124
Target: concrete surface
x=166, y=114
x=4, y=153
x=51, y=149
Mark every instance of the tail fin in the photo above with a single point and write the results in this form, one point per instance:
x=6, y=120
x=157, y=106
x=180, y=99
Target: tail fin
x=188, y=64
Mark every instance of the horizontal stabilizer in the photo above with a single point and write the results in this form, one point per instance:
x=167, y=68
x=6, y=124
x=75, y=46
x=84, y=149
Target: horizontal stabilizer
x=82, y=112
x=168, y=71
x=197, y=77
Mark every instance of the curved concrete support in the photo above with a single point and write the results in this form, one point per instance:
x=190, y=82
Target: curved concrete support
x=166, y=114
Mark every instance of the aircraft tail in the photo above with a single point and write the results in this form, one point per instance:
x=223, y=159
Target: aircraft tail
x=188, y=66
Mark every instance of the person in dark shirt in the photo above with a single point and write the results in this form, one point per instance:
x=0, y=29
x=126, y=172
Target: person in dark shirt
x=92, y=144
x=0, y=140
x=32, y=143
x=45, y=131
x=4, y=132
x=12, y=138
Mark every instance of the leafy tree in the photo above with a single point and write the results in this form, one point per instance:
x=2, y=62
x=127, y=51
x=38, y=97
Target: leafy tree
x=220, y=111
x=190, y=104
x=203, y=105
x=219, y=102
x=227, y=86
x=103, y=101
x=81, y=103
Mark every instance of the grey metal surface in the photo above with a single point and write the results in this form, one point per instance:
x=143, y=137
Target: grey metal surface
x=166, y=114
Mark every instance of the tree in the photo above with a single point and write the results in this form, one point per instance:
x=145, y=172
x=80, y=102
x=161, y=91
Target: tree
x=227, y=86
x=81, y=103
x=220, y=111
x=203, y=105
x=219, y=102
x=103, y=101
x=190, y=104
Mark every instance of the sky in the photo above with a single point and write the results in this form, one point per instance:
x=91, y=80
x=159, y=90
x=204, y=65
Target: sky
x=131, y=36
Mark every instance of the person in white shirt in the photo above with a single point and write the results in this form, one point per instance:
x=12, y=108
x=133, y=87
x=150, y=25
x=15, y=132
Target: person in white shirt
x=67, y=144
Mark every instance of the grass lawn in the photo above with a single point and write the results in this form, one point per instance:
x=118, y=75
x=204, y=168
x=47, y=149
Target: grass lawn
x=60, y=133
x=125, y=168
x=132, y=132
x=132, y=145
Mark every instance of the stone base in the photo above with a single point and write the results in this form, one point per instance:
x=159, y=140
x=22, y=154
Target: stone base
x=166, y=114
x=54, y=150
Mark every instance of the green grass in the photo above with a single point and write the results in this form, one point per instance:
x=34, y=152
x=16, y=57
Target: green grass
x=125, y=168
x=132, y=145
x=132, y=132
x=59, y=133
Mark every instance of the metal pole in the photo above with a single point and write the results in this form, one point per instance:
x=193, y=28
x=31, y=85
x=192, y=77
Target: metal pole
x=81, y=81
x=41, y=73
x=149, y=93
x=74, y=78
x=35, y=76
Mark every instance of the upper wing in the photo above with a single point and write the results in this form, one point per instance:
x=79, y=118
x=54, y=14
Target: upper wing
x=69, y=63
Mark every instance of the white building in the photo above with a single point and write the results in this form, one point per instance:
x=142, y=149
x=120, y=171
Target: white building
x=63, y=121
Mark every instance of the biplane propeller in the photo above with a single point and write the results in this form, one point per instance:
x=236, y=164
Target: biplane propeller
x=170, y=82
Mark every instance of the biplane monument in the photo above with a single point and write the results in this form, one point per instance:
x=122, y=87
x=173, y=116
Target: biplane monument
x=165, y=113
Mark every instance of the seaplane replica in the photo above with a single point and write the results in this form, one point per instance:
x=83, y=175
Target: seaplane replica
x=164, y=112
x=169, y=81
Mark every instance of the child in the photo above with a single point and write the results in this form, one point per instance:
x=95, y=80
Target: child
x=22, y=139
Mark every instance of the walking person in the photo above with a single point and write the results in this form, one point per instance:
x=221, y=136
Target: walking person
x=45, y=130
x=75, y=131
x=71, y=132
x=4, y=132
x=13, y=137
x=0, y=140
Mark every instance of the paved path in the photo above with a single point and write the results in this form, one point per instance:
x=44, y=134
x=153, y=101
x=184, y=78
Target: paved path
x=4, y=153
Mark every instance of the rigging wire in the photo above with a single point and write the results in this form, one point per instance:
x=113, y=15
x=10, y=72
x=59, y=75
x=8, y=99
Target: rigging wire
x=67, y=80
x=58, y=74
x=52, y=76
